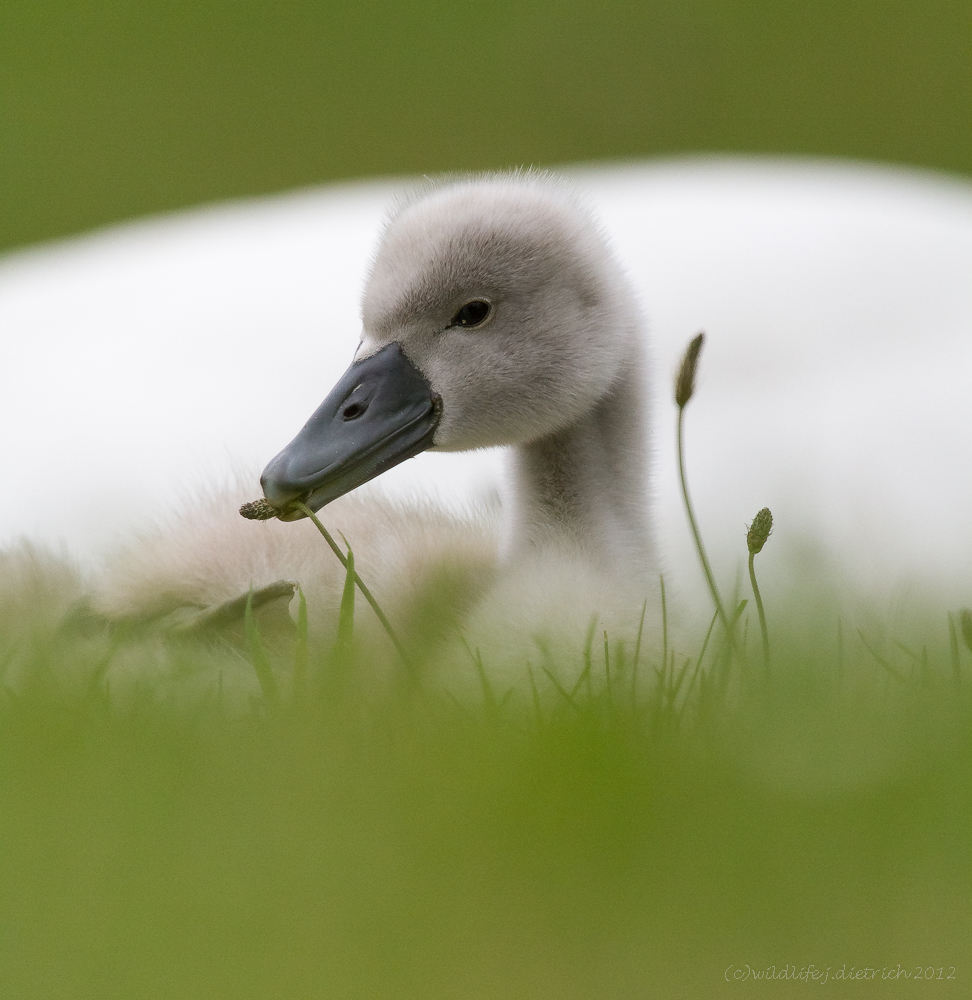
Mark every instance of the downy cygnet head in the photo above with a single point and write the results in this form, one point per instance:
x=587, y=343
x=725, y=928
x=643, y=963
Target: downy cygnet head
x=494, y=314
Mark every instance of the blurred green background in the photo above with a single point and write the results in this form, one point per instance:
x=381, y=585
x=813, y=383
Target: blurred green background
x=111, y=109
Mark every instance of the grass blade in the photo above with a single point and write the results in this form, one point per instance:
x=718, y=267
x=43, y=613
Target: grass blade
x=536, y=699
x=345, y=633
x=300, y=647
x=664, y=610
x=698, y=666
x=607, y=666
x=884, y=663
x=489, y=697
x=258, y=655
x=677, y=686
x=910, y=653
x=953, y=646
x=568, y=697
x=366, y=593
x=637, y=654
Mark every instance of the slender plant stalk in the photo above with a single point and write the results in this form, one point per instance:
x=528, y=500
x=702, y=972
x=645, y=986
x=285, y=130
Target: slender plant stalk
x=710, y=579
x=759, y=608
x=684, y=390
x=366, y=593
x=729, y=646
x=756, y=537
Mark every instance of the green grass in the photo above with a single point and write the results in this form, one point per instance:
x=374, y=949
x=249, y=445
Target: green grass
x=349, y=838
x=255, y=811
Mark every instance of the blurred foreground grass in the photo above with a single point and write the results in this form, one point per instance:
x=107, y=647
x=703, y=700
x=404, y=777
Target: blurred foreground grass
x=365, y=839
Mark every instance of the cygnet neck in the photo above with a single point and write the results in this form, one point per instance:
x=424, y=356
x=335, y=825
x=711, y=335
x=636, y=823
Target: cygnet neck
x=583, y=488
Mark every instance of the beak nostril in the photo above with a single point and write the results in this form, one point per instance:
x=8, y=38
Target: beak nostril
x=354, y=411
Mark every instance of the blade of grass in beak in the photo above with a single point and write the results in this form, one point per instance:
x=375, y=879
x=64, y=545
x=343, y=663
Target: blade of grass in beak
x=366, y=593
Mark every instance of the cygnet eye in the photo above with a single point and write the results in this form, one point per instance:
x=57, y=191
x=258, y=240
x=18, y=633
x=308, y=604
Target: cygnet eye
x=473, y=313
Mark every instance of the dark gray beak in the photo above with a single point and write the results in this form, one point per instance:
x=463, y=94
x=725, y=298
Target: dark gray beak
x=381, y=412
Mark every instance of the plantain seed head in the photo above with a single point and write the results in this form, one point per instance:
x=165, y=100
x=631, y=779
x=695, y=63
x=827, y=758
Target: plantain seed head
x=259, y=510
x=685, y=379
x=760, y=530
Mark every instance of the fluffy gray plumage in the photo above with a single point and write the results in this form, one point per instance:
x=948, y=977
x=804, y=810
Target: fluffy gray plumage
x=557, y=372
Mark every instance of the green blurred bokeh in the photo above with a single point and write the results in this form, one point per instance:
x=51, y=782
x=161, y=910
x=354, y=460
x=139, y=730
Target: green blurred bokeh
x=164, y=835
x=110, y=109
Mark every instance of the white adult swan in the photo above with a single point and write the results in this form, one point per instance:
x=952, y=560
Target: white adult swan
x=494, y=314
